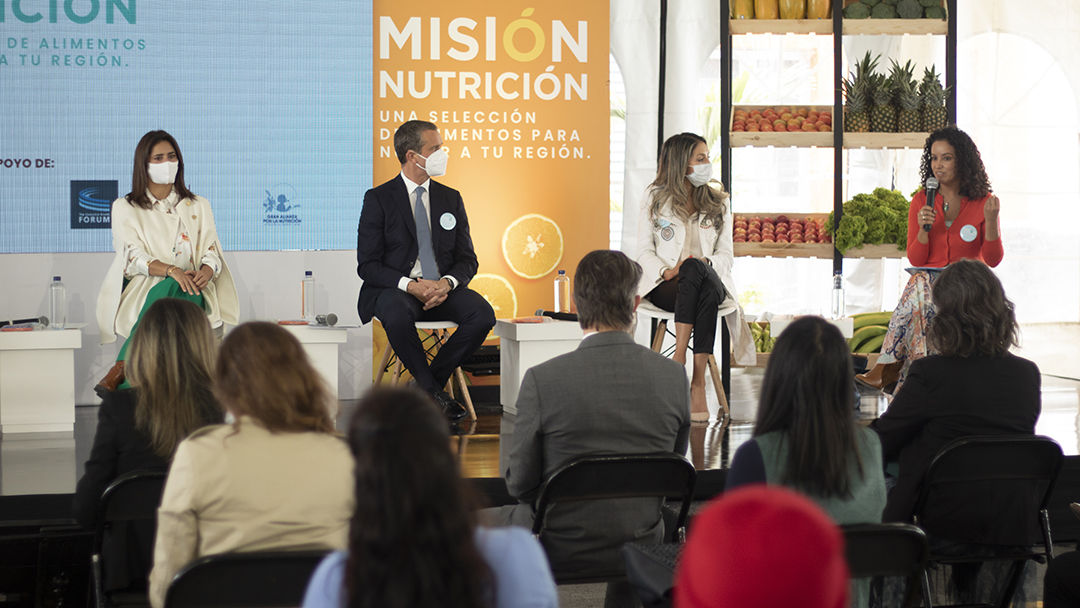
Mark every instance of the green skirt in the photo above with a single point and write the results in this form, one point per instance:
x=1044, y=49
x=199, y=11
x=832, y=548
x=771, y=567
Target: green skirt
x=167, y=288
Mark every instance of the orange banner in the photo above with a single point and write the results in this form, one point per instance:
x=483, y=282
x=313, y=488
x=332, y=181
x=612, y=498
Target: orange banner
x=519, y=91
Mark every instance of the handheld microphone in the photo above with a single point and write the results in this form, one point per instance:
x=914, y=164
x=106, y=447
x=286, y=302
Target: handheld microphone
x=561, y=316
x=931, y=196
x=43, y=320
x=329, y=319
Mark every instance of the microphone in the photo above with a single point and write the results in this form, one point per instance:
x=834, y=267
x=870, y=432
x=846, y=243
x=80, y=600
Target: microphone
x=561, y=316
x=931, y=195
x=43, y=320
x=329, y=319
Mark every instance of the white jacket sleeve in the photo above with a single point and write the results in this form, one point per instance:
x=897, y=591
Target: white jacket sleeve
x=651, y=264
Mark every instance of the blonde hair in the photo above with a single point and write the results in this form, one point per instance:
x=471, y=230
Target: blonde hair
x=263, y=372
x=672, y=188
x=172, y=355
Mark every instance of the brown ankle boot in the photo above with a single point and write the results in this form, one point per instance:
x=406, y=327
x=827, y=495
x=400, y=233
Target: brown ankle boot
x=111, y=380
x=881, y=376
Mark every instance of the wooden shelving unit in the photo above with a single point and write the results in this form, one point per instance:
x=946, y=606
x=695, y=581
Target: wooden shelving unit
x=837, y=27
x=782, y=26
x=896, y=27
x=878, y=141
x=840, y=142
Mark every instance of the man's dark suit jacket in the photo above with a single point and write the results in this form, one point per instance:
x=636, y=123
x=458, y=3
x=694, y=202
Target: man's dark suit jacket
x=386, y=246
x=945, y=398
x=610, y=396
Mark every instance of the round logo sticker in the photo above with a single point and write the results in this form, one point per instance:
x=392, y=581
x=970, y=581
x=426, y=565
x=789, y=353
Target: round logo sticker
x=447, y=221
x=667, y=233
x=968, y=233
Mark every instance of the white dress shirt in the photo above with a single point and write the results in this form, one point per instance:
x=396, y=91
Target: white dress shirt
x=425, y=198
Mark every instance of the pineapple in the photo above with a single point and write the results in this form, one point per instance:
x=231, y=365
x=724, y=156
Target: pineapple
x=906, y=89
x=858, y=95
x=932, y=96
x=883, y=113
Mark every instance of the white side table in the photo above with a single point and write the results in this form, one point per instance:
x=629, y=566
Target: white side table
x=321, y=345
x=523, y=345
x=37, y=380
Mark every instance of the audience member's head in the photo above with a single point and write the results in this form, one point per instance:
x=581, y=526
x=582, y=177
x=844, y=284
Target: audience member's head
x=172, y=355
x=605, y=290
x=973, y=317
x=411, y=539
x=808, y=394
x=762, y=546
x=263, y=372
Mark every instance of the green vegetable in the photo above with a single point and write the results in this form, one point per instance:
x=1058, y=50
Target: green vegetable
x=876, y=218
x=909, y=9
x=935, y=12
x=929, y=3
x=869, y=3
x=857, y=10
x=883, y=11
x=892, y=2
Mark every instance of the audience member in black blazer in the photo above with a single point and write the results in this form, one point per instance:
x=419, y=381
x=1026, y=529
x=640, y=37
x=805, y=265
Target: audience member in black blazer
x=403, y=284
x=971, y=386
x=172, y=354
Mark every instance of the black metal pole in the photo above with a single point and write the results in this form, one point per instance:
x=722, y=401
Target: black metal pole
x=838, y=126
x=950, y=60
x=725, y=96
x=663, y=79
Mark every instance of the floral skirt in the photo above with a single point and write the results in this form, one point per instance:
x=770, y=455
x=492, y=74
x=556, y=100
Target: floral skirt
x=906, y=338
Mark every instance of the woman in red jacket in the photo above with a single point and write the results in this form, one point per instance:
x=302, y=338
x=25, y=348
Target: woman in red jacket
x=963, y=224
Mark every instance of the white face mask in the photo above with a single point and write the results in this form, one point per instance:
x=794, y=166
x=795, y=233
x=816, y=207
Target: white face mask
x=163, y=173
x=435, y=164
x=701, y=174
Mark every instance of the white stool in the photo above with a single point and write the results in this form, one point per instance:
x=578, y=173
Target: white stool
x=649, y=311
x=436, y=334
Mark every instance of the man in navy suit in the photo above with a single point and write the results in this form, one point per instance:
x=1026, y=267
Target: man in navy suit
x=416, y=258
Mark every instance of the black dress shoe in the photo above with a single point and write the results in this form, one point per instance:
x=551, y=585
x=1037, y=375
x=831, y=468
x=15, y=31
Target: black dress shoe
x=453, y=410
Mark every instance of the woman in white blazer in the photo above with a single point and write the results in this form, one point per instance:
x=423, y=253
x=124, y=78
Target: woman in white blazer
x=684, y=233
x=166, y=246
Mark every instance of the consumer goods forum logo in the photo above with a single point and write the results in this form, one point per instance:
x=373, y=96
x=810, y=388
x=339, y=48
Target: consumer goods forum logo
x=91, y=202
x=281, y=205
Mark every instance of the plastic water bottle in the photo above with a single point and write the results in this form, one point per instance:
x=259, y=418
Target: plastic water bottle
x=562, y=292
x=837, y=310
x=57, y=304
x=307, y=297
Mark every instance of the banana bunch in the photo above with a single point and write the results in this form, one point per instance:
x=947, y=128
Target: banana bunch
x=763, y=339
x=869, y=332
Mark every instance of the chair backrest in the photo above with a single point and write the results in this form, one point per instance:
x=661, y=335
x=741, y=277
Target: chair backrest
x=134, y=496
x=618, y=476
x=990, y=489
x=893, y=549
x=262, y=579
x=127, y=508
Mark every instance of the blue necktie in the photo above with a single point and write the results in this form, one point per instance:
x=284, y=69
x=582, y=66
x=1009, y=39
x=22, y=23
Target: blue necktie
x=428, y=267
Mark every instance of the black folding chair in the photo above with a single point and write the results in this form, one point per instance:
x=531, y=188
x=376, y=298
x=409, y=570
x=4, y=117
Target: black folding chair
x=1011, y=477
x=260, y=579
x=893, y=549
x=127, y=514
x=618, y=476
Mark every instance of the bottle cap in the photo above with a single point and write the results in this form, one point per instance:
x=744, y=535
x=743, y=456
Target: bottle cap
x=56, y=278
x=307, y=273
x=562, y=272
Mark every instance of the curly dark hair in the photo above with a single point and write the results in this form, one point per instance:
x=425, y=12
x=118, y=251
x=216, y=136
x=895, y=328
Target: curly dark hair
x=973, y=317
x=411, y=537
x=974, y=184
